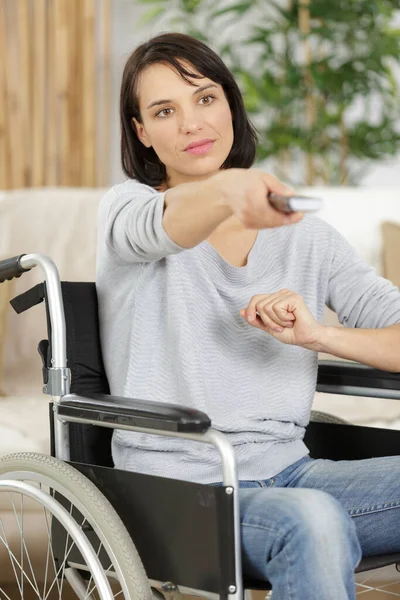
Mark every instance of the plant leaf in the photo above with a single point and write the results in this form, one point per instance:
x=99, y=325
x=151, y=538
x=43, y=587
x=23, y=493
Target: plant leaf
x=238, y=9
x=151, y=15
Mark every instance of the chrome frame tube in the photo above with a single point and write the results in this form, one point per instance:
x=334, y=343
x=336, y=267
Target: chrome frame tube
x=155, y=583
x=61, y=434
x=349, y=390
x=56, y=306
x=230, y=479
x=229, y=476
x=70, y=525
x=187, y=590
x=76, y=581
x=58, y=339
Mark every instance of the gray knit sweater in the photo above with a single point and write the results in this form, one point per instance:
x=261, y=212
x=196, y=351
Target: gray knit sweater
x=171, y=332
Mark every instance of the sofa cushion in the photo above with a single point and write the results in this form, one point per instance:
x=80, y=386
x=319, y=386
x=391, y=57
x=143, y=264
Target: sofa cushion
x=65, y=226
x=24, y=424
x=5, y=296
x=391, y=251
x=24, y=427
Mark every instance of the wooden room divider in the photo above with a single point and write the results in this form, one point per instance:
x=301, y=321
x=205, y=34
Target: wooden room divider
x=54, y=92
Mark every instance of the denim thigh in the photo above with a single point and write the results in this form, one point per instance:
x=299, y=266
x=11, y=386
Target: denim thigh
x=369, y=490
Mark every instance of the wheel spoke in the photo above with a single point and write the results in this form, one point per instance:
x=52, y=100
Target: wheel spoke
x=10, y=554
x=21, y=550
x=13, y=559
x=87, y=597
x=368, y=577
x=23, y=547
x=49, y=552
x=387, y=585
x=63, y=571
x=6, y=596
x=88, y=593
x=62, y=568
x=367, y=589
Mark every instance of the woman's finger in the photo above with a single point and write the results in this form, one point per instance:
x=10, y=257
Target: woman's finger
x=283, y=314
x=269, y=308
x=252, y=307
x=268, y=322
x=264, y=298
x=260, y=322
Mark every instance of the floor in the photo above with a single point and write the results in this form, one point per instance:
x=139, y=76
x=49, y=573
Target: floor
x=12, y=592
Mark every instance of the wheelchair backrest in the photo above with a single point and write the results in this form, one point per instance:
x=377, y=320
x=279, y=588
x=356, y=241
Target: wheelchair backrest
x=88, y=443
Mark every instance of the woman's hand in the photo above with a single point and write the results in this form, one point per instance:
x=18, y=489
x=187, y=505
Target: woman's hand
x=245, y=192
x=285, y=316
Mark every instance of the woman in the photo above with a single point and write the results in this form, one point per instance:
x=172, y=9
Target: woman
x=210, y=298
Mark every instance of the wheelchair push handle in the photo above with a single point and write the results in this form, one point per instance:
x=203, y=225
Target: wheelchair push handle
x=12, y=267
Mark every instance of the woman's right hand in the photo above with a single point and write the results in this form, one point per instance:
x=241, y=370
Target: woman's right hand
x=245, y=192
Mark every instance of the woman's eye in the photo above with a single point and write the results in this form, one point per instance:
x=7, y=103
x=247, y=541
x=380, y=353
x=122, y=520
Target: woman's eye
x=210, y=97
x=162, y=111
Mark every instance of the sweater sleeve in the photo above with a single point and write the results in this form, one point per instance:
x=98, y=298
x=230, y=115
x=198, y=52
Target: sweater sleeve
x=131, y=222
x=356, y=293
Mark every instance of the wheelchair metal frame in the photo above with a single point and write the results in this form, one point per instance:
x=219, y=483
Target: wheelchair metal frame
x=348, y=379
x=58, y=386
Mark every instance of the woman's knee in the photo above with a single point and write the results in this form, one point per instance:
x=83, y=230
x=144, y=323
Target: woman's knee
x=305, y=518
x=318, y=512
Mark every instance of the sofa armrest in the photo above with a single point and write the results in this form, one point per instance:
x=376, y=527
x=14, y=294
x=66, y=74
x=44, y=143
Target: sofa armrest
x=113, y=411
x=355, y=379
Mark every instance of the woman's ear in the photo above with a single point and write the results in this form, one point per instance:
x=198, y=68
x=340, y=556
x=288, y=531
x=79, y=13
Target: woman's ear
x=140, y=132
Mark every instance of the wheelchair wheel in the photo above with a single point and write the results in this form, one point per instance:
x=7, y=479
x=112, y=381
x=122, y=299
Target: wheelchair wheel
x=58, y=569
x=322, y=417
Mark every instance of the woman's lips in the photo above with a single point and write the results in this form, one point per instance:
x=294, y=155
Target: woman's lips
x=200, y=149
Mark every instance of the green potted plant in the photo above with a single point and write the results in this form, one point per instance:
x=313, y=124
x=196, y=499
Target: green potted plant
x=318, y=78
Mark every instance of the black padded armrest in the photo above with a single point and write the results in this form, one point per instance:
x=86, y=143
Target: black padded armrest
x=116, y=410
x=355, y=379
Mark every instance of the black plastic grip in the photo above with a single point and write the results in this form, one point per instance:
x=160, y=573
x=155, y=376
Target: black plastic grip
x=117, y=410
x=11, y=267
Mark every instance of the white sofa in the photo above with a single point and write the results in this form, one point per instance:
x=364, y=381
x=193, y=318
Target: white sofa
x=358, y=214
x=61, y=222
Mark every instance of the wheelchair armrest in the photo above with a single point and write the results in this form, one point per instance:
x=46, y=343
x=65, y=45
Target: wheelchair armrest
x=355, y=379
x=103, y=409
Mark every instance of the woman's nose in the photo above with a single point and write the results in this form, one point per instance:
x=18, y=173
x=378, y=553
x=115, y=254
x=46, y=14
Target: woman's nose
x=190, y=124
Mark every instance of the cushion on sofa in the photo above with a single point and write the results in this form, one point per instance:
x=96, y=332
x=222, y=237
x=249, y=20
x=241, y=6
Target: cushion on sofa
x=391, y=251
x=5, y=295
x=24, y=424
x=65, y=224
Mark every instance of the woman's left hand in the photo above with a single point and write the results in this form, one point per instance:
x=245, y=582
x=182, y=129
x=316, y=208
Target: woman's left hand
x=285, y=316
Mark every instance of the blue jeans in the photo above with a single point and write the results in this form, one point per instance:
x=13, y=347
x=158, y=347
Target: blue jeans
x=306, y=529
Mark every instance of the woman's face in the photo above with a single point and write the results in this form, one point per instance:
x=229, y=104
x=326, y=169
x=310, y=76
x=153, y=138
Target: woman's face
x=184, y=114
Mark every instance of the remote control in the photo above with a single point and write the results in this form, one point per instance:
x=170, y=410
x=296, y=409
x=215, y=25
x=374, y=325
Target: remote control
x=289, y=204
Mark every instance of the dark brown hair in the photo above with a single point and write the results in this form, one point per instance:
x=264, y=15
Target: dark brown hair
x=143, y=164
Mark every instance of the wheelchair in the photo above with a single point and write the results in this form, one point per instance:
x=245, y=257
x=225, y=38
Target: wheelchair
x=119, y=534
